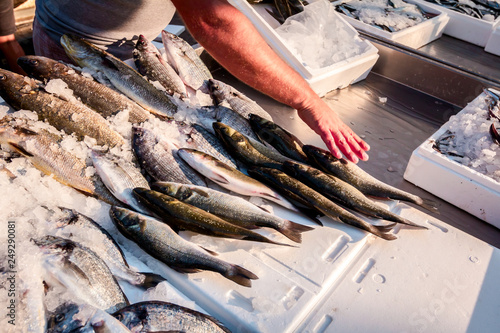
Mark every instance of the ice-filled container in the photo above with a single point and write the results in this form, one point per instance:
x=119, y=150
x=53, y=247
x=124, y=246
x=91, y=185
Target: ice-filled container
x=322, y=80
x=454, y=182
x=414, y=36
x=465, y=27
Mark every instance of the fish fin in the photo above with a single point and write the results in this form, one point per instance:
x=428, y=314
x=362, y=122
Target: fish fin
x=240, y=275
x=385, y=228
x=270, y=211
x=430, y=205
x=219, y=179
x=151, y=280
x=210, y=251
x=293, y=230
x=311, y=213
x=411, y=224
x=387, y=236
x=20, y=149
x=186, y=270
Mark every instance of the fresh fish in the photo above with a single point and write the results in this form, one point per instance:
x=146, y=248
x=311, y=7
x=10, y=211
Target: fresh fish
x=108, y=250
x=82, y=272
x=205, y=141
x=70, y=317
x=121, y=75
x=279, y=179
x=185, y=60
x=240, y=103
x=156, y=316
x=241, y=149
x=43, y=150
x=161, y=242
x=341, y=192
x=183, y=216
x=63, y=115
x=230, y=178
x=99, y=97
x=284, y=142
x=160, y=159
x=231, y=208
x=357, y=177
x=151, y=64
x=231, y=118
x=120, y=177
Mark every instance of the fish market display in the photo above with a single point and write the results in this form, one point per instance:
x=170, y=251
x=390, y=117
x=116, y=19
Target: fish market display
x=159, y=240
x=388, y=15
x=231, y=118
x=488, y=10
x=99, y=97
x=150, y=63
x=166, y=317
x=203, y=140
x=23, y=93
x=122, y=76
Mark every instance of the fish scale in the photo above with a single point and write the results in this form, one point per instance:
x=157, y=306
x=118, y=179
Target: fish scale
x=205, y=141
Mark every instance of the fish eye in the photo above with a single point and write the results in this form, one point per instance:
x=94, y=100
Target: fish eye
x=119, y=316
x=3, y=77
x=59, y=317
x=34, y=62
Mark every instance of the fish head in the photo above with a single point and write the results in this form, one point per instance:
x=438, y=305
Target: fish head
x=132, y=318
x=70, y=317
x=142, y=43
x=141, y=135
x=42, y=68
x=82, y=52
x=218, y=90
x=55, y=245
x=123, y=218
x=169, y=188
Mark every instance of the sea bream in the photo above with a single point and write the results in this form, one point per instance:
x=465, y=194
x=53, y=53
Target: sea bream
x=104, y=100
x=122, y=76
x=157, y=316
x=231, y=208
x=161, y=242
x=21, y=92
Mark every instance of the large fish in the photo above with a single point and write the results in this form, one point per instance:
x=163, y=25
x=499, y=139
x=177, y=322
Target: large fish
x=231, y=178
x=161, y=242
x=151, y=64
x=159, y=158
x=229, y=117
x=231, y=208
x=82, y=272
x=341, y=192
x=284, y=142
x=21, y=93
x=357, y=177
x=182, y=216
x=122, y=76
x=240, y=103
x=156, y=316
x=280, y=180
x=43, y=150
x=185, y=60
x=99, y=97
x=108, y=250
x=203, y=140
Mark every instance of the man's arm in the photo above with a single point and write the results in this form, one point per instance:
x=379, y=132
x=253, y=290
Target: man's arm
x=231, y=39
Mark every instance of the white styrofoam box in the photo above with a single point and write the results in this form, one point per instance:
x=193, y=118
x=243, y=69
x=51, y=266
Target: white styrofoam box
x=451, y=181
x=466, y=27
x=493, y=44
x=338, y=75
x=415, y=36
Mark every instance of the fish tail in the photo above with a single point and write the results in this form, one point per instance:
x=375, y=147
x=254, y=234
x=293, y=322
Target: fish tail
x=151, y=280
x=293, y=230
x=382, y=231
x=240, y=275
x=412, y=224
x=385, y=228
x=259, y=238
x=428, y=204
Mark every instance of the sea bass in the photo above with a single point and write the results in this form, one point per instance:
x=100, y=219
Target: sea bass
x=63, y=115
x=121, y=75
x=161, y=242
x=99, y=97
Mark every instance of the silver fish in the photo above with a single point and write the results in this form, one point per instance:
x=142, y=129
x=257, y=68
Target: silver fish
x=206, y=142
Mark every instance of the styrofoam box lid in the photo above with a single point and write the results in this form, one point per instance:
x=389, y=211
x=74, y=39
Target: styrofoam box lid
x=264, y=23
x=465, y=27
x=414, y=36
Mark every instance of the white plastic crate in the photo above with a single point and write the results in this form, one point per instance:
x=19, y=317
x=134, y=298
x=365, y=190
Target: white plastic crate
x=415, y=36
x=465, y=27
x=451, y=181
x=493, y=45
x=338, y=75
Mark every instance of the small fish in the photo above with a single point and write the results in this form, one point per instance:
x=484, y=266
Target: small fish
x=185, y=60
x=279, y=180
x=151, y=64
x=63, y=115
x=161, y=242
x=231, y=208
x=82, y=272
x=99, y=97
x=240, y=103
x=203, y=140
x=183, y=216
x=284, y=142
x=231, y=178
x=159, y=158
x=157, y=316
x=238, y=145
x=357, y=177
x=121, y=75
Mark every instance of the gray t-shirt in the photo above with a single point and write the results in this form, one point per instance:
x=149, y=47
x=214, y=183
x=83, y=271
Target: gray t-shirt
x=113, y=25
